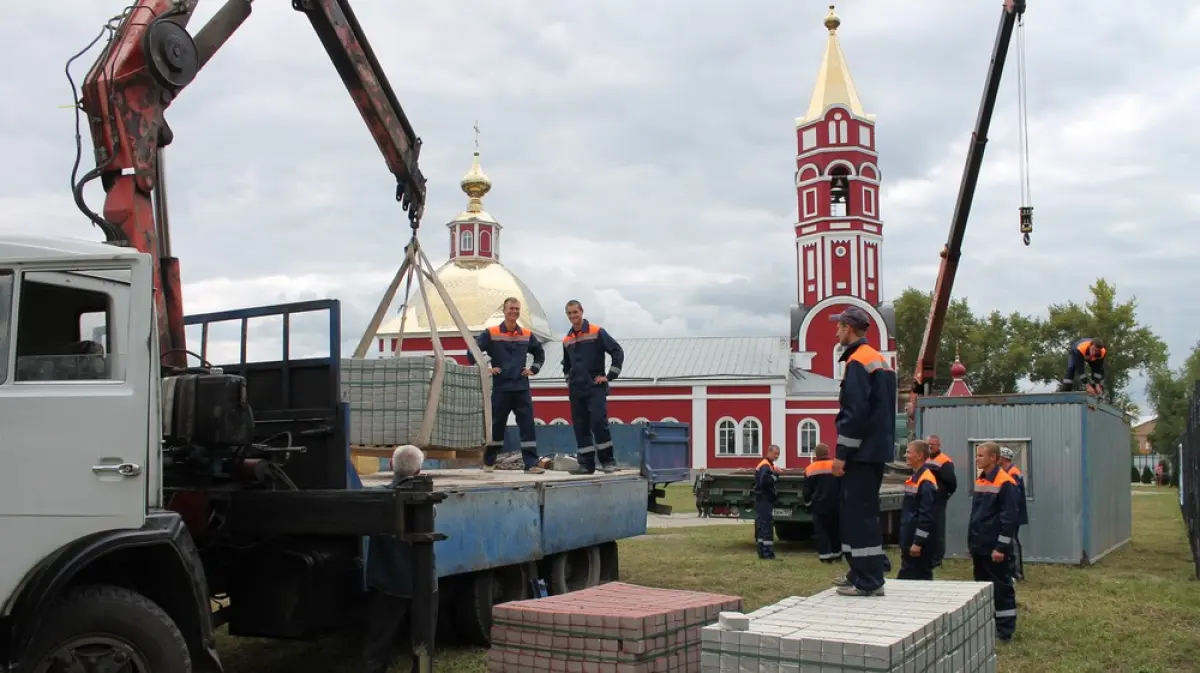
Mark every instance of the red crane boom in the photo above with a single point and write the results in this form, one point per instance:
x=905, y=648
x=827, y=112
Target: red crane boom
x=926, y=367
x=146, y=64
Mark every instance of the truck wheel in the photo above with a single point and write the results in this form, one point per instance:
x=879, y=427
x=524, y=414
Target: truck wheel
x=478, y=592
x=794, y=531
x=574, y=570
x=103, y=627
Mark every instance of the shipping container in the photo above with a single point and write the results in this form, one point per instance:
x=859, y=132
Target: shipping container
x=1074, y=452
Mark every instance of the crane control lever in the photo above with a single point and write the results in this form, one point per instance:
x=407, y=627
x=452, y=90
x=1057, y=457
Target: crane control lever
x=149, y=59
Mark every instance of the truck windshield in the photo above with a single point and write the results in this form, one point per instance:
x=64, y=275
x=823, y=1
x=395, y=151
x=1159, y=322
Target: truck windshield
x=6, y=290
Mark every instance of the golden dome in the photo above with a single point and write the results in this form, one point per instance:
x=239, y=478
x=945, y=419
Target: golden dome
x=832, y=20
x=478, y=292
x=475, y=184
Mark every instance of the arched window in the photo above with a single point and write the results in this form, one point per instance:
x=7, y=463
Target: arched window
x=751, y=437
x=839, y=191
x=558, y=421
x=465, y=242
x=485, y=242
x=668, y=419
x=538, y=421
x=640, y=419
x=809, y=435
x=615, y=421
x=727, y=437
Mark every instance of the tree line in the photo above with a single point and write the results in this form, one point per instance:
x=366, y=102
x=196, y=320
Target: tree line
x=1006, y=353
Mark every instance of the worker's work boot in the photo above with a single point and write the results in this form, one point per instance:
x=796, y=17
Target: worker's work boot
x=609, y=468
x=855, y=591
x=842, y=581
x=489, y=468
x=534, y=470
x=579, y=472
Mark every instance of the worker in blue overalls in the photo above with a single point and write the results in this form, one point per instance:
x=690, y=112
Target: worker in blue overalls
x=584, y=349
x=918, y=516
x=508, y=346
x=995, y=511
x=1087, y=352
x=765, y=495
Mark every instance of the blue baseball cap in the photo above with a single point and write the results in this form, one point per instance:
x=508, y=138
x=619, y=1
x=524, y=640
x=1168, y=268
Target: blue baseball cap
x=853, y=316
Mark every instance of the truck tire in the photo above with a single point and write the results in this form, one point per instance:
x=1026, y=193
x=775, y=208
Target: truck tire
x=102, y=623
x=477, y=593
x=793, y=531
x=574, y=570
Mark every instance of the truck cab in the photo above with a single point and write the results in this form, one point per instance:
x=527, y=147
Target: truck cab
x=81, y=518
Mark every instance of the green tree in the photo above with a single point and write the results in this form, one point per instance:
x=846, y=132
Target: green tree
x=996, y=349
x=1168, y=392
x=1132, y=347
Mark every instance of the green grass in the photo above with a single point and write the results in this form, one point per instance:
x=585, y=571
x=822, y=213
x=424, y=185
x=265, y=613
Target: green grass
x=1135, y=611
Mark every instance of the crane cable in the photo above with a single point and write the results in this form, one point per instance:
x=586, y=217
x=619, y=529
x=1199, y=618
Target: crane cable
x=1026, y=210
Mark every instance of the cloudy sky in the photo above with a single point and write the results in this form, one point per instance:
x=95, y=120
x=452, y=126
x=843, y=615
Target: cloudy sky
x=642, y=153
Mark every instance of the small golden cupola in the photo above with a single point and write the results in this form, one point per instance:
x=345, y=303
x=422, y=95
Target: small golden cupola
x=474, y=233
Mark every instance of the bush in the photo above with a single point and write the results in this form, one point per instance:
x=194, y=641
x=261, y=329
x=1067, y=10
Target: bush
x=1147, y=475
x=1134, y=474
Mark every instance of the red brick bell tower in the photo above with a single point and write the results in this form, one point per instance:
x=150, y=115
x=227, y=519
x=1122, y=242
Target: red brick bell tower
x=839, y=233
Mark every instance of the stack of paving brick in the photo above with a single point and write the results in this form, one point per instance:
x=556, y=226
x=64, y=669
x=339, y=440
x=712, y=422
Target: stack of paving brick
x=918, y=627
x=612, y=628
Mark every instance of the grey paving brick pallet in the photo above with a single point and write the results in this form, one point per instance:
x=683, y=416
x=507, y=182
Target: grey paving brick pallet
x=387, y=399
x=918, y=627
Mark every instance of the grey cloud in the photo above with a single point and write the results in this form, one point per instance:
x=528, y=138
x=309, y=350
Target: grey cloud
x=644, y=152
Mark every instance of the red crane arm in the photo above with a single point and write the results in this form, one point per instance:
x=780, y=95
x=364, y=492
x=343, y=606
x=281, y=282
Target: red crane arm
x=926, y=367
x=150, y=59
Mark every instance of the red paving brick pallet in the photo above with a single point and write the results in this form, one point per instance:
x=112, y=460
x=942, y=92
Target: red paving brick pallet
x=918, y=627
x=612, y=628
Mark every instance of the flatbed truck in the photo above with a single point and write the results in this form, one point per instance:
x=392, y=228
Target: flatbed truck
x=729, y=494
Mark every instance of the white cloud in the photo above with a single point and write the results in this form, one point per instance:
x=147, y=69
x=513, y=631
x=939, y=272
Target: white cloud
x=642, y=154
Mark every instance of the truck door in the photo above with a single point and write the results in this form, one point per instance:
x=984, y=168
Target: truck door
x=75, y=377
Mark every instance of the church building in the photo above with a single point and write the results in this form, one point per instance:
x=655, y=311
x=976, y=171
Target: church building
x=739, y=394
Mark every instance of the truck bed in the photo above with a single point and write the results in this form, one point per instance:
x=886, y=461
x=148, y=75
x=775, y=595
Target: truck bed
x=508, y=517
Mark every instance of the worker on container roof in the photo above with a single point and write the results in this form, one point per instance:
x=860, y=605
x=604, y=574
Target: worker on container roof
x=1007, y=456
x=993, y=523
x=947, y=482
x=1085, y=353
x=866, y=429
x=584, y=348
x=918, y=516
x=765, y=497
x=821, y=492
x=508, y=347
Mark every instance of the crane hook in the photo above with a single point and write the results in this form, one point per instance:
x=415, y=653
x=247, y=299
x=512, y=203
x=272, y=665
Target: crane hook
x=1026, y=223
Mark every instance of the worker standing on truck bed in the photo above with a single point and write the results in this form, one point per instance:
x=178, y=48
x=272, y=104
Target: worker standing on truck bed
x=1006, y=462
x=821, y=492
x=994, y=513
x=389, y=559
x=918, y=517
x=1087, y=352
x=584, y=348
x=866, y=427
x=765, y=496
x=508, y=346
x=947, y=483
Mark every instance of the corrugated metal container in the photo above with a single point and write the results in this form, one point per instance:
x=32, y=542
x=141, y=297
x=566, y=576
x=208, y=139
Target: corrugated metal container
x=1074, y=452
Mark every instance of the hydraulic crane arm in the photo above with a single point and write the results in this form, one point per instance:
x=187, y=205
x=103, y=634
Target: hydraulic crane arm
x=927, y=357
x=146, y=65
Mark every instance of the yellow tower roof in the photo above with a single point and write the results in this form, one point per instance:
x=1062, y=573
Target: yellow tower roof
x=834, y=84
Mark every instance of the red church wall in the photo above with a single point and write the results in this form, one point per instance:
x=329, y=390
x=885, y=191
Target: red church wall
x=738, y=410
x=822, y=338
x=828, y=433
x=739, y=390
x=651, y=410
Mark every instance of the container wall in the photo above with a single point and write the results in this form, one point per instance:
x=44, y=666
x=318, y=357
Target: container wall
x=1108, y=508
x=1046, y=433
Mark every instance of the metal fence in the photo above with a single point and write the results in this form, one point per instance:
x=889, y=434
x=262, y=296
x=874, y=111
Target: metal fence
x=1189, y=476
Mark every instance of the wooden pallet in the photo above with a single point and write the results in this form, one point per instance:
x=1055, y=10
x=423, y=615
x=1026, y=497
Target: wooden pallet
x=368, y=451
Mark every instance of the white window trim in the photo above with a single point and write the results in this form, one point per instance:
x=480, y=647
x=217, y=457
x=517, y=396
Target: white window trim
x=615, y=421
x=466, y=241
x=669, y=419
x=741, y=436
x=717, y=438
x=800, y=436
x=538, y=421
x=639, y=419
x=559, y=421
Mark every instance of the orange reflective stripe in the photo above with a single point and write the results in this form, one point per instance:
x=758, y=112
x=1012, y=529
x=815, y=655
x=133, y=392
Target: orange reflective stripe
x=869, y=358
x=1002, y=478
x=911, y=486
x=940, y=459
x=592, y=333
x=497, y=333
x=764, y=461
x=1083, y=350
x=1014, y=471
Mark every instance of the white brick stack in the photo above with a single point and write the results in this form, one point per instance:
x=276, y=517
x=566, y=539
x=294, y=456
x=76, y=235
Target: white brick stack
x=918, y=627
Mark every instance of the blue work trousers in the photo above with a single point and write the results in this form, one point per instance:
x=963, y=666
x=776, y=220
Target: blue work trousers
x=520, y=404
x=589, y=417
x=764, y=528
x=862, y=539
